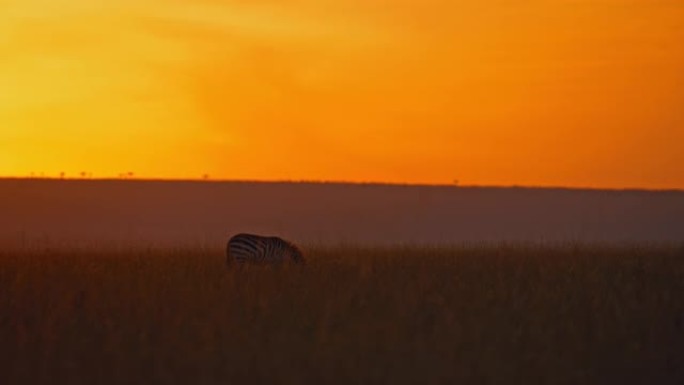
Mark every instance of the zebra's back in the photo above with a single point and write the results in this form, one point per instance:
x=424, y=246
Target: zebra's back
x=251, y=248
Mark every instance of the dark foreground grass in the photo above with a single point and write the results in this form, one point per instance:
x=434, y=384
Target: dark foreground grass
x=477, y=315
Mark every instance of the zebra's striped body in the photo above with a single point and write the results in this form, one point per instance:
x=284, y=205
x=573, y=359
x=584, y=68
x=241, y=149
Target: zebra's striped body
x=250, y=248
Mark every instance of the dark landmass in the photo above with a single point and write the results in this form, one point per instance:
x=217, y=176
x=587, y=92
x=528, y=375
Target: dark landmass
x=95, y=212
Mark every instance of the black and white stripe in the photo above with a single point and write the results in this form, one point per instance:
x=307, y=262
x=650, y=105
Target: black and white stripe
x=250, y=248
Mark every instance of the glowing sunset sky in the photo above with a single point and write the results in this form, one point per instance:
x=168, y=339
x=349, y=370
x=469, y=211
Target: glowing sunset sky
x=497, y=92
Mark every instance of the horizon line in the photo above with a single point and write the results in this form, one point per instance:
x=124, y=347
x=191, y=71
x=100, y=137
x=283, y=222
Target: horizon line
x=337, y=182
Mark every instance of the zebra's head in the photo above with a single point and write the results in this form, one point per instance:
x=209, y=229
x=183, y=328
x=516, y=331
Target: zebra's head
x=296, y=254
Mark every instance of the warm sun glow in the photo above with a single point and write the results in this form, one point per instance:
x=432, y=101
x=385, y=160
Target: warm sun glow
x=551, y=92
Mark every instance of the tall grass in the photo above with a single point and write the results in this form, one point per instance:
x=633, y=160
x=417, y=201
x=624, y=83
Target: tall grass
x=406, y=315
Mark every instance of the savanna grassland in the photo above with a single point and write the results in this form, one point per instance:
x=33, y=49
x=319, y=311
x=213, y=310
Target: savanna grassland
x=479, y=314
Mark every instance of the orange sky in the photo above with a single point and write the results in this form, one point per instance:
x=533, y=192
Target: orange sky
x=496, y=92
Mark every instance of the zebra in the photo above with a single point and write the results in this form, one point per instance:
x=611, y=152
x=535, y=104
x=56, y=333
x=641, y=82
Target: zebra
x=252, y=248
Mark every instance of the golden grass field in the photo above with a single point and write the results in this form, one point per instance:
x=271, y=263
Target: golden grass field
x=478, y=314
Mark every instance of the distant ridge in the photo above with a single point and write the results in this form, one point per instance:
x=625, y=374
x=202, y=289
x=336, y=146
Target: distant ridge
x=338, y=182
x=173, y=212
